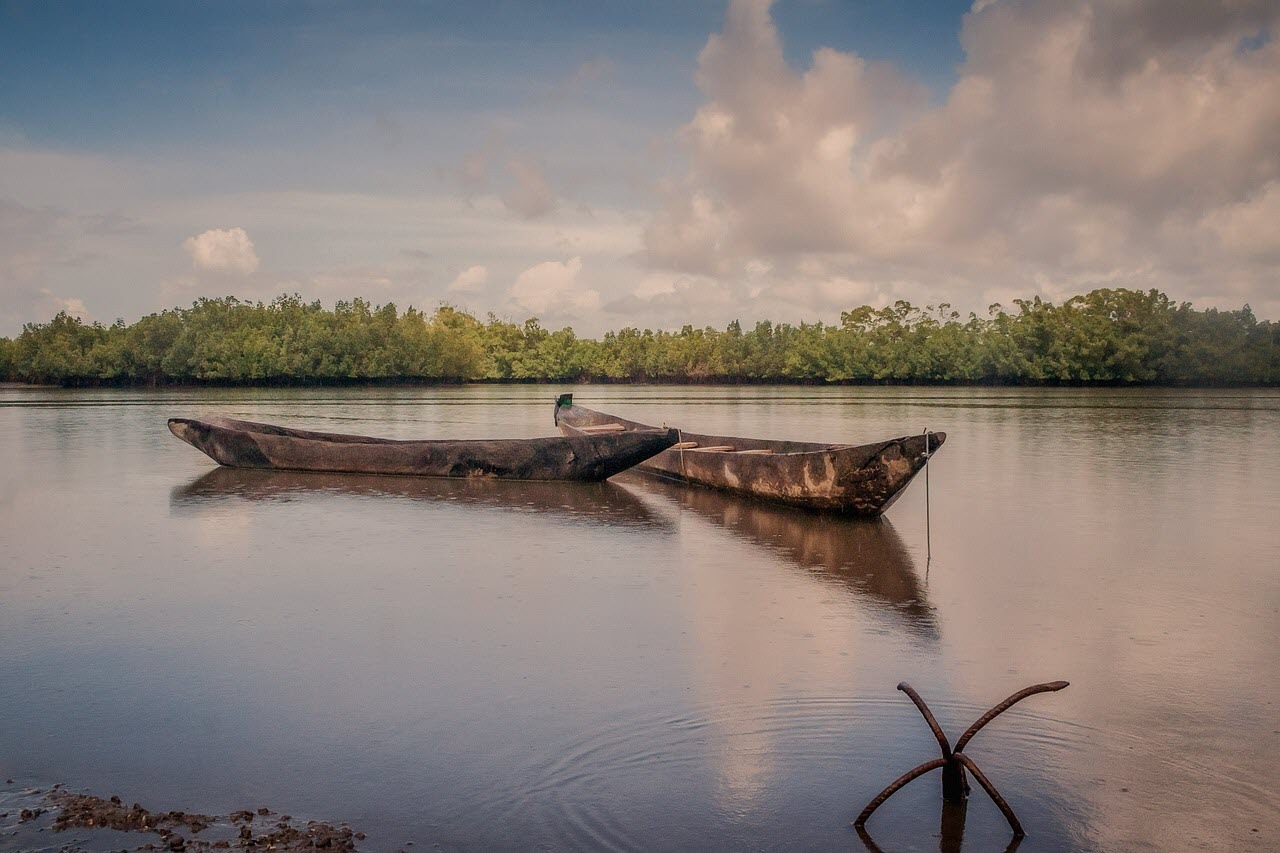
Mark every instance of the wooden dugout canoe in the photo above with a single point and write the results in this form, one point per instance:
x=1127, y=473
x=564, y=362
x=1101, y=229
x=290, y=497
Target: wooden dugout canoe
x=860, y=480
x=245, y=444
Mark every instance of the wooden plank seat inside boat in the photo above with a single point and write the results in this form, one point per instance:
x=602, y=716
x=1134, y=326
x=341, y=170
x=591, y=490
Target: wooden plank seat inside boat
x=693, y=445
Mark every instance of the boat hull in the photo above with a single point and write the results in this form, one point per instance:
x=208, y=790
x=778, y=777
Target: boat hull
x=245, y=444
x=858, y=480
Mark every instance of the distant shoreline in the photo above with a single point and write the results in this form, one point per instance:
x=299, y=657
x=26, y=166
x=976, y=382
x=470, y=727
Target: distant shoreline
x=722, y=382
x=1105, y=338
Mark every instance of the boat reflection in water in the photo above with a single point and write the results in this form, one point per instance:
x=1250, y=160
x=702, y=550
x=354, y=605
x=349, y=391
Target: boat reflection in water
x=866, y=557
x=603, y=502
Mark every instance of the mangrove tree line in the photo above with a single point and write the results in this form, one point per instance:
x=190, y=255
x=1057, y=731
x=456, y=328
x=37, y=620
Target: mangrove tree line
x=1106, y=336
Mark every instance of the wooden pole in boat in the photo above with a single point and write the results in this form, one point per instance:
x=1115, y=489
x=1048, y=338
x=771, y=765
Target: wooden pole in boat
x=928, y=526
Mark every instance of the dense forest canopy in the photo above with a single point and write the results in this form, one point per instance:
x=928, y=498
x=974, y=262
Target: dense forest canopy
x=1106, y=336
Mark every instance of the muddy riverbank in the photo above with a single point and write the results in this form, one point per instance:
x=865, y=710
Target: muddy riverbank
x=33, y=819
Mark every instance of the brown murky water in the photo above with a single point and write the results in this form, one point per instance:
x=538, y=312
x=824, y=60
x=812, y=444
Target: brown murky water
x=636, y=666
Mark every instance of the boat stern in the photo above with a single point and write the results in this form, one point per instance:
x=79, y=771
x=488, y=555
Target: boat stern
x=564, y=401
x=188, y=430
x=224, y=446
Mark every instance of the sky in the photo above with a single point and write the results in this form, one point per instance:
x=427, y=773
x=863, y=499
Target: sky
x=609, y=164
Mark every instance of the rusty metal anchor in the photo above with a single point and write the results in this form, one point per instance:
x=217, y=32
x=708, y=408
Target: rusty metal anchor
x=955, y=787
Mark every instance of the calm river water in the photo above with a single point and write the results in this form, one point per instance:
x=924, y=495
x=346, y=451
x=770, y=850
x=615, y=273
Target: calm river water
x=636, y=666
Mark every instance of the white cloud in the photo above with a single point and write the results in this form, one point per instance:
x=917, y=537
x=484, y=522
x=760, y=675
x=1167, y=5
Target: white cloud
x=551, y=287
x=1083, y=144
x=72, y=305
x=472, y=278
x=222, y=250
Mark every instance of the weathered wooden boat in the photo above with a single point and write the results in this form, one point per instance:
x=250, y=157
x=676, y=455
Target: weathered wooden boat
x=860, y=480
x=585, y=456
